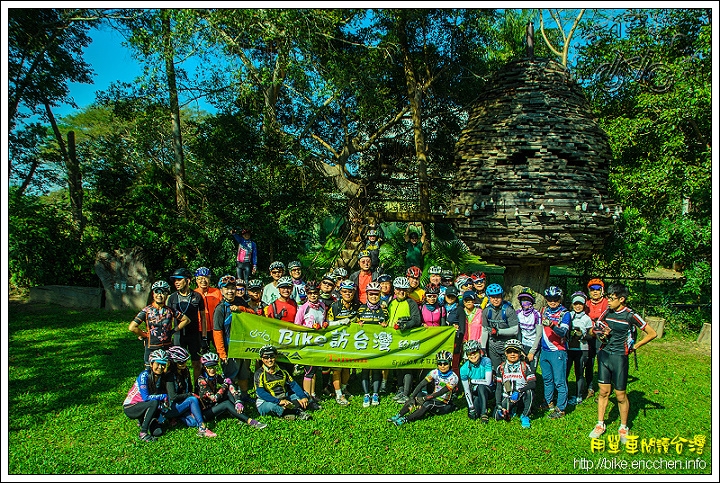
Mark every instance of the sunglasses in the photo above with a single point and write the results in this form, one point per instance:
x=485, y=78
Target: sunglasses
x=595, y=287
x=240, y=288
x=443, y=363
x=229, y=279
x=276, y=271
x=512, y=351
x=159, y=290
x=268, y=357
x=553, y=299
x=428, y=295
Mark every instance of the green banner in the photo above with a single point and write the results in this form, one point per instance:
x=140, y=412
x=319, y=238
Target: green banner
x=361, y=346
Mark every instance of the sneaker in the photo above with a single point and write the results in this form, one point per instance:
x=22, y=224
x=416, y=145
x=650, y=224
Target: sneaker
x=314, y=406
x=346, y=393
x=298, y=370
x=375, y=400
x=399, y=421
x=206, y=433
x=484, y=418
x=342, y=401
x=256, y=424
x=547, y=407
x=392, y=419
x=366, y=401
x=289, y=417
x=623, y=433
x=303, y=416
x=155, y=428
x=574, y=401
x=383, y=388
x=598, y=431
x=525, y=421
x=398, y=395
x=402, y=399
x=591, y=393
x=147, y=437
x=556, y=414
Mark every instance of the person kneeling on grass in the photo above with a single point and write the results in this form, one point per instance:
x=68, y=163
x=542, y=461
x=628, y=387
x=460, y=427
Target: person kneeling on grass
x=277, y=392
x=183, y=403
x=515, y=384
x=438, y=402
x=476, y=378
x=217, y=395
x=145, y=397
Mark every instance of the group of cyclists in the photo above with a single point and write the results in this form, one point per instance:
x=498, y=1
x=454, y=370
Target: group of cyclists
x=493, y=364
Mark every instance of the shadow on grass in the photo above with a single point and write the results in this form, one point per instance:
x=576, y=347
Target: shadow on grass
x=65, y=358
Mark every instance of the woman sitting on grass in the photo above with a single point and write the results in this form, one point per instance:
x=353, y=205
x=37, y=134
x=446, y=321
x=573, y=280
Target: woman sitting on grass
x=476, y=378
x=218, y=396
x=146, y=395
x=183, y=403
x=438, y=402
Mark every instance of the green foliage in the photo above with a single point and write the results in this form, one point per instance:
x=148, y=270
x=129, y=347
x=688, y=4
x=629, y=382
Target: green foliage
x=70, y=421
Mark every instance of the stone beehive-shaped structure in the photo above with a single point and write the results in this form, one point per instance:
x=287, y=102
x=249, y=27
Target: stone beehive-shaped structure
x=531, y=185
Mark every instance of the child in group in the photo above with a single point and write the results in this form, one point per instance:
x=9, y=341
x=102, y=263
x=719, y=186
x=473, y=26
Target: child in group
x=343, y=312
x=579, y=336
x=312, y=315
x=145, y=398
x=183, y=403
x=473, y=315
x=529, y=323
x=433, y=314
x=218, y=396
x=455, y=316
x=437, y=402
x=476, y=377
x=277, y=392
x=553, y=352
x=372, y=312
x=515, y=385
x=616, y=331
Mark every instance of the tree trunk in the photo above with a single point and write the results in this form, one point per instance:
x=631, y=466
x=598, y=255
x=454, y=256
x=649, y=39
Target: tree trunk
x=180, y=196
x=121, y=274
x=516, y=277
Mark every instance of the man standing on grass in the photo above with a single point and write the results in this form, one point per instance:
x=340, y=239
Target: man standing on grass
x=616, y=333
x=190, y=303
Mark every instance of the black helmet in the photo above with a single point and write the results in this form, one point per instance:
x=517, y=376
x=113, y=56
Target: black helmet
x=181, y=273
x=268, y=350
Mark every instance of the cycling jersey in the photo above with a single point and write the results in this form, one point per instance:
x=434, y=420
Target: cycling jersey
x=480, y=373
x=270, y=293
x=140, y=390
x=339, y=310
x=528, y=326
x=553, y=336
x=191, y=305
x=404, y=308
x=474, y=327
x=582, y=322
x=595, y=310
x=298, y=291
x=274, y=386
x=433, y=315
x=159, y=321
x=417, y=294
x=620, y=324
x=310, y=313
x=519, y=374
x=282, y=310
x=441, y=380
x=211, y=299
x=372, y=315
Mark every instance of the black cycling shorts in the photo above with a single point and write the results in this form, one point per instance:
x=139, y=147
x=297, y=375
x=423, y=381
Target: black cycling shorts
x=612, y=369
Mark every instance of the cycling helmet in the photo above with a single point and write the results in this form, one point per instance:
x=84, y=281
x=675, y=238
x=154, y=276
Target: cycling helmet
x=363, y=254
x=479, y=277
x=372, y=233
x=461, y=280
x=447, y=275
x=340, y=272
x=268, y=350
x=277, y=265
x=578, y=297
x=202, y=272
x=553, y=291
x=178, y=354
x=245, y=231
x=401, y=282
x=385, y=277
x=451, y=291
x=294, y=264
x=435, y=270
x=372, y=287
x=159, y=356
x=528, y=293
x=181, y=273
x=513, y=344
x=347, y=285
x=210, y=359
x=413, y=272
x=329, y=277
x=226, y=280
x=494, y=289
x=443, y=356
x=595, y=282
x=433, y=289
x=162, y=285
x=284, y=282
x=240, y=282
x=254, y=284
x=471, y=346
x=312, y=286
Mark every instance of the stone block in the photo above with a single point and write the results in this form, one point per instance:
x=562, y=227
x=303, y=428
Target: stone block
x=67, y=296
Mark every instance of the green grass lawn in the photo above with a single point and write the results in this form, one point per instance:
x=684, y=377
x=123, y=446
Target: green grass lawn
x=69, y=372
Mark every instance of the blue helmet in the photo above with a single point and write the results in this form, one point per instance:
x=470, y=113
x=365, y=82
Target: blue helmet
x=494, y=289
x=553, y=291
x=202, y=272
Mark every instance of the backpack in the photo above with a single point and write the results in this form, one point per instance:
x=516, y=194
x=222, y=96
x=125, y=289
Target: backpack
x=503, y=314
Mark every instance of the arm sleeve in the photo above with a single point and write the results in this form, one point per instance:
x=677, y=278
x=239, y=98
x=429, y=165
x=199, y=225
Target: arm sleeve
x=265, y=395
x=415, y=319
x=174, y=397
x=299, y=392
x=419, y=387
x=440, y=392
x=488, y=371
x=538, y=336
x=143, y=388
x=561, y=329
x=498, y=394
x=484, y=335
x=513, y=323
x=238, y=238
x=468, y=396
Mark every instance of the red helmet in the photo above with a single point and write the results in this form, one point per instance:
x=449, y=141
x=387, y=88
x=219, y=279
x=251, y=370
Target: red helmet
x=413, y=272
